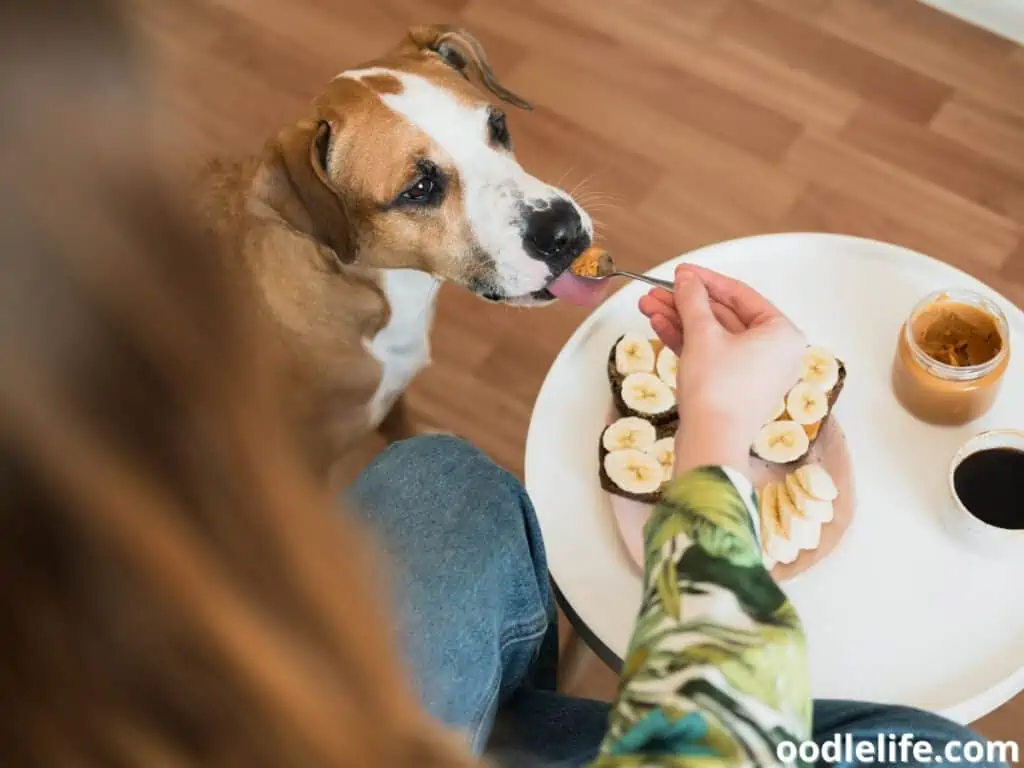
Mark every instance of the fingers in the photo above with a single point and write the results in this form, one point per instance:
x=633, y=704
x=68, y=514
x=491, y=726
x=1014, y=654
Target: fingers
x=664, y=322
x=658, y=300
x=670, y=333
x=693, y=303
x=749, y=306
x=661, y=298
x=652, y=303
x=727, y=318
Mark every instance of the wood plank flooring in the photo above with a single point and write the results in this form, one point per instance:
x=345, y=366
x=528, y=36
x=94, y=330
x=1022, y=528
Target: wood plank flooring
x=678, y=123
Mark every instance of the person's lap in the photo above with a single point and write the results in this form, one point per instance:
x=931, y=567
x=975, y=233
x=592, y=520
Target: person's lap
x=477, y=614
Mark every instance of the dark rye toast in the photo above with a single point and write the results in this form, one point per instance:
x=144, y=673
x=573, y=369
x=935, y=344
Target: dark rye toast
x=833, y=396
x=661, y=431
x=813, y=431
x=615, y=379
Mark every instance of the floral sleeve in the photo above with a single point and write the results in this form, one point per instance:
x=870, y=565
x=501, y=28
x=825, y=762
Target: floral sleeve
x=716, y=673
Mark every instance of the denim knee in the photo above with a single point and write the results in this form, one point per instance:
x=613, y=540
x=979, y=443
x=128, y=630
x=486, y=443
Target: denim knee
x=471, y=578
x=457, y=477
x=442, y=489
x=455, y=458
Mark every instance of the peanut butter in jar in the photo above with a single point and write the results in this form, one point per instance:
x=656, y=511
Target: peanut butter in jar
x=952, y=353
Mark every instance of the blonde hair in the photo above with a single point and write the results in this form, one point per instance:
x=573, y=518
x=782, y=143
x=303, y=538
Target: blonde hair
x=176, y=588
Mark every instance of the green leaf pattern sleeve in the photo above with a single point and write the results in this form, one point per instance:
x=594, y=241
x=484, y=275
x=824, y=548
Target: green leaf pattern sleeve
x=716, y=672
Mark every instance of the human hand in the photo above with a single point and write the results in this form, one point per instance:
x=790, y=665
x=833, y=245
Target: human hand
x=738, y=356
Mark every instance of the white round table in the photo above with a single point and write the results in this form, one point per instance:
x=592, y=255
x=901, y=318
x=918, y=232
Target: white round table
x=901, y=612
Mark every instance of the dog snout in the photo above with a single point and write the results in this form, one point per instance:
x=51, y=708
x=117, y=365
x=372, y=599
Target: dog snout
x=556, y=234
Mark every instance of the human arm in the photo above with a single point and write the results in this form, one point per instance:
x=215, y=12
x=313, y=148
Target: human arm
x=716, y=670
x=715, y=673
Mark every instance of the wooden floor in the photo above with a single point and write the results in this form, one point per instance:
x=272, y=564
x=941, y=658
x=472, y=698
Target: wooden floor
x=679, y=123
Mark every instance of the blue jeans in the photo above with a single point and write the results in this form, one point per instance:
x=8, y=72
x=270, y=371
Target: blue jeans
x=477, y=613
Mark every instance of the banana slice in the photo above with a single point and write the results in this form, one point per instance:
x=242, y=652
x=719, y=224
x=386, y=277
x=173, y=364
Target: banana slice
x=783, y=512
x=781, y=550
x=629, y=432
x=781, y=442
x=634, y=354
x=807, y=403
x=820, y=368
x=634, y=471
x=804, y=532
x=647, y=394
x=817, y=482
x=664, y=451
x=768, y=506
x=780, y=411
x=777, y=545
x=813, y=509
x=667, y=366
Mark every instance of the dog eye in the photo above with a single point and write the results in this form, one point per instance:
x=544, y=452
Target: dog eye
x=421, y=191
x=498, y=128
x=427, y=189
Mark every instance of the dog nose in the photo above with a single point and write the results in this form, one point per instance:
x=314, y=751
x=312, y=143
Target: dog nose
x=555, y=231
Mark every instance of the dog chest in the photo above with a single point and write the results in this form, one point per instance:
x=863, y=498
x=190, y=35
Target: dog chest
x=402, y=347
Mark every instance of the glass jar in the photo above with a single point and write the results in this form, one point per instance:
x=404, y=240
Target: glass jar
x=971, y=336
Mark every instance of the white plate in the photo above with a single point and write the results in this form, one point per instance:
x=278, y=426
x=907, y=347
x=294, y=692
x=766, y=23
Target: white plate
x=900, y=612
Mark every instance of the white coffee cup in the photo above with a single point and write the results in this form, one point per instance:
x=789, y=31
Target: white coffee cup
x=976, y=533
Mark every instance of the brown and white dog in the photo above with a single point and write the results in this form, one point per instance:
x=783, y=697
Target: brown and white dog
x=401, y=176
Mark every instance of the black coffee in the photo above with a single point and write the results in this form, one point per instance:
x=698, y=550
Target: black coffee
x=990, y=484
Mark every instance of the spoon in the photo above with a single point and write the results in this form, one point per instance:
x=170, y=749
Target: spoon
x=657, y=282
x=596, y=264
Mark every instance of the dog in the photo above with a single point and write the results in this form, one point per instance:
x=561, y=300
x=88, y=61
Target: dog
x=401, y=176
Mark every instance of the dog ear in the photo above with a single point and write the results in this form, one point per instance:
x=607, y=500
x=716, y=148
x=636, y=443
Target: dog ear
x=463, y=53
x=302, y=190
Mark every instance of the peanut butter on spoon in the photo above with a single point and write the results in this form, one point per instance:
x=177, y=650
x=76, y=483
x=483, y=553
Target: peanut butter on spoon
x=580, y=284
x=596, y=265
x=593, y=263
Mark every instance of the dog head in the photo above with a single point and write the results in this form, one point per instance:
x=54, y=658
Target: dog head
x=405, y=163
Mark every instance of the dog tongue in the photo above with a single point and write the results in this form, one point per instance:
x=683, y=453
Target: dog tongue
x=578, y=290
